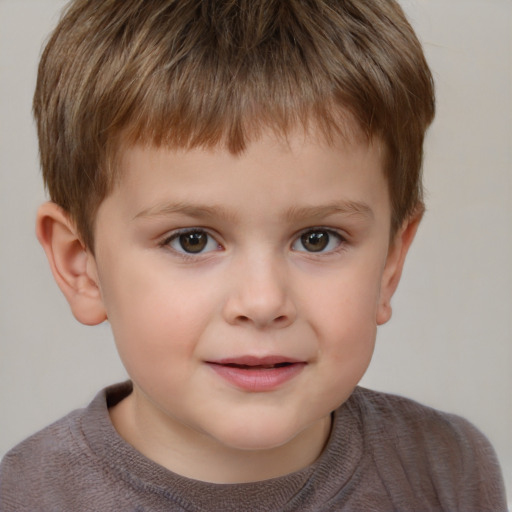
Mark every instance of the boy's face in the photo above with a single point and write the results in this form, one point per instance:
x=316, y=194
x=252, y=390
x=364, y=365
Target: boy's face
x=244, y=291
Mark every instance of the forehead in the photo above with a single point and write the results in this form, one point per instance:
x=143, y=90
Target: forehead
x=300, y=173
x=342, y=131
x=345, y=136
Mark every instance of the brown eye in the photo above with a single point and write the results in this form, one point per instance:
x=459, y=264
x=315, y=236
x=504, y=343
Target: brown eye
x=315, y=241
x=193, y=242
x=318, y=240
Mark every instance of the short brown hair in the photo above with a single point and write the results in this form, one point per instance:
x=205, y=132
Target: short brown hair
x=189, y=73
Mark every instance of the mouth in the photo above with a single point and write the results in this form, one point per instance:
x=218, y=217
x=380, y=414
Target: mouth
x=258, y=366
x=256, y=374
x=255, y=362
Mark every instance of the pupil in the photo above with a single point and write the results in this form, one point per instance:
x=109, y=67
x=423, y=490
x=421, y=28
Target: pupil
x=193, y=242
x=315, y=241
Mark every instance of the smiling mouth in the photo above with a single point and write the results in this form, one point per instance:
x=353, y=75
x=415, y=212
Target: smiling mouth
x=258, y=366
x=257, y=363
x=257, y=374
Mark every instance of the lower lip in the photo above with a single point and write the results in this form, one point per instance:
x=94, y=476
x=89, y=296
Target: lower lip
x=258, y=379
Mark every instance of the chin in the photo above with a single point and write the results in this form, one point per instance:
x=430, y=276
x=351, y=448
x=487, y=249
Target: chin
x=263, y=436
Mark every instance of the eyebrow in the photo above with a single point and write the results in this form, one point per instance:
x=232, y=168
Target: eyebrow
x=294, y=213
x=190, y=210
x=338, y=207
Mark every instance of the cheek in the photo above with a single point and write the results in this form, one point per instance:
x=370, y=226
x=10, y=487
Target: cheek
x=155, y=317
x=344, y=319
x=345, y=302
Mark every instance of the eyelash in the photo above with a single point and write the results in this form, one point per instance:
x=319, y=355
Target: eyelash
x=331, y=233
x=166, y=242
x=342, y=241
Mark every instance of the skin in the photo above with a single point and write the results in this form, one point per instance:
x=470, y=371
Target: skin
x=256, y=288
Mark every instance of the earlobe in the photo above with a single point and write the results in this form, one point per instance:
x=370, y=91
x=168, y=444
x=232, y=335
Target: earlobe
x=394, y=265
x=72, y=265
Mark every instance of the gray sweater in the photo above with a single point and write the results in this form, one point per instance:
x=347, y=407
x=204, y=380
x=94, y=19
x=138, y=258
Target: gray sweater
x=385, y=453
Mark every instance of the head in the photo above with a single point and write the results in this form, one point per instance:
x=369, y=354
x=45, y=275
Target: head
x=238, y=184
x=217, y=74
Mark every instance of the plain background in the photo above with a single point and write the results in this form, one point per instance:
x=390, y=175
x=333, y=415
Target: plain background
x=449, y=343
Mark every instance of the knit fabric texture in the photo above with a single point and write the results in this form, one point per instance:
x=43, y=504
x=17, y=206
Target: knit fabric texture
x=385, y=453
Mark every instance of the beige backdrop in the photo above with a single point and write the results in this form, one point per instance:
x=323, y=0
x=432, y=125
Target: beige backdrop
x=449, y=343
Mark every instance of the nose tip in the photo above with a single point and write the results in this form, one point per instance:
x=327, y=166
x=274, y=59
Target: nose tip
x=260, y=299
x=260, y=322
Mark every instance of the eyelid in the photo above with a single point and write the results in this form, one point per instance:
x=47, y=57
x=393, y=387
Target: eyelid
x=166, y=241
x=173, y=235
x=342, y=240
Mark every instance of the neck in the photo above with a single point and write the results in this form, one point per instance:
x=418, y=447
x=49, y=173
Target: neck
x=198, y=456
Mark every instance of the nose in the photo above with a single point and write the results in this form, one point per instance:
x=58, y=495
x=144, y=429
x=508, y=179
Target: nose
x=260, y=295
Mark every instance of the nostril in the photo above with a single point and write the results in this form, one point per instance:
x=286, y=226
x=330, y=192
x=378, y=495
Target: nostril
x=242, y=319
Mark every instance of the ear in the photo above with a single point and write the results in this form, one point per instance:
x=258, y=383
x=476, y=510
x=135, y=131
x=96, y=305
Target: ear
x=394, y=264
x=72, y=265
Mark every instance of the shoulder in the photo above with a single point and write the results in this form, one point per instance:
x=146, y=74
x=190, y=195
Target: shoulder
x=51, y=468
x=48, y=440
x=40, y=458
x=430, y=449
x=65, y=442
x=397, y=412
x=397, y=418
x=67, y=465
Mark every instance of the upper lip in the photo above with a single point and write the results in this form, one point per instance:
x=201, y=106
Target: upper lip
x=248, y=360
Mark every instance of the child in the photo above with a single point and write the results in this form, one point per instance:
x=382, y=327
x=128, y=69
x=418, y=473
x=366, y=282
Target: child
x=235, y=187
